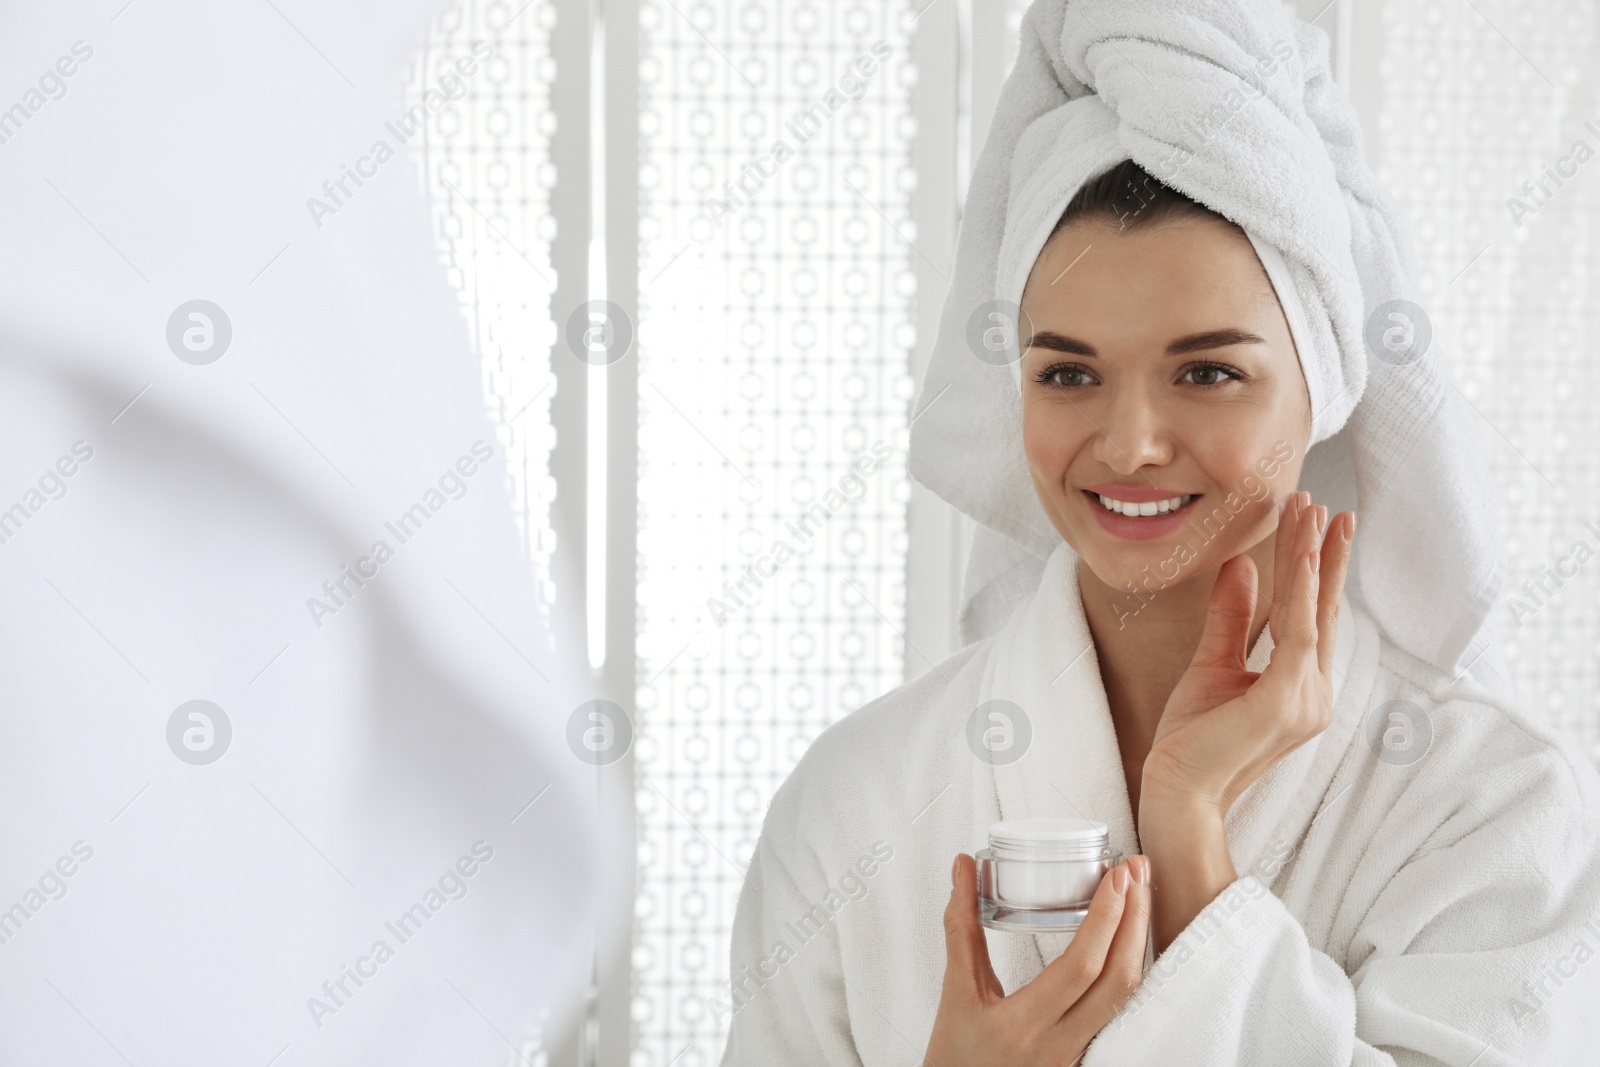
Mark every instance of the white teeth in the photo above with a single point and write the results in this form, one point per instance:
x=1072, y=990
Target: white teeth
x=1154, y=507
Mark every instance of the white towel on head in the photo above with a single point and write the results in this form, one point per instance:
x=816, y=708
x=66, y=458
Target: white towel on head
x=1231, y=103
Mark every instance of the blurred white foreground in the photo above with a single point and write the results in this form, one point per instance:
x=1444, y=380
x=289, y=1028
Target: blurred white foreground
x=170, y=527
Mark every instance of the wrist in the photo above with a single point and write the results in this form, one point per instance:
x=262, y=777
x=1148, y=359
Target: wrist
x=1181, y=832
x=1183, y=802
x=1189, y=863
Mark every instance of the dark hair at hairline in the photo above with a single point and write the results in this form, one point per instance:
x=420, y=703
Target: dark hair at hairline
x=1132, y=197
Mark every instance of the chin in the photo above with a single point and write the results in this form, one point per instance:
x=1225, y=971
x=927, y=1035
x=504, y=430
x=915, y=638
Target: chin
x=1138, y=571
x=1153, y=565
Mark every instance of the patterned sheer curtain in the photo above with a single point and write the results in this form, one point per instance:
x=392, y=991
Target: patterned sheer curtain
x=485, y=162
x=1487, y=132
x=773, y=337
x=775, y=330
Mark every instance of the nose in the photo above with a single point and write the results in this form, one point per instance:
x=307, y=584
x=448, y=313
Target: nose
x=1132, y=434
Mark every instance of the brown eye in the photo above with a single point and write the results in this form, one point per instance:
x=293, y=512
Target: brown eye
x=1212, y=374
x=1064, y=375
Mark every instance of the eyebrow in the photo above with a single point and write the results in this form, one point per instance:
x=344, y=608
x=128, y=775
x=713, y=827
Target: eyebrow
x=1194, y=342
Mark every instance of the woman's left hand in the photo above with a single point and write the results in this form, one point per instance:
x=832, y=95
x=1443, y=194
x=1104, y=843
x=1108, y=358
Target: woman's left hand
x=1224, y=726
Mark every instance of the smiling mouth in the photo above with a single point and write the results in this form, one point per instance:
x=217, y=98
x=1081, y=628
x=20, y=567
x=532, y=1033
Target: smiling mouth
x=1128, y=509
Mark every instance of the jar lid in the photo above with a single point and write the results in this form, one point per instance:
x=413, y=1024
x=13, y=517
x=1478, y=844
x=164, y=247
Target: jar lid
x=1023, y=833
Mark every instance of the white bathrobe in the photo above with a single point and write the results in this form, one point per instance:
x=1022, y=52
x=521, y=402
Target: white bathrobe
x=1390, y=908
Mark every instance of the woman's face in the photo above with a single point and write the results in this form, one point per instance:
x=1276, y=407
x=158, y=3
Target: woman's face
x=1158, y=373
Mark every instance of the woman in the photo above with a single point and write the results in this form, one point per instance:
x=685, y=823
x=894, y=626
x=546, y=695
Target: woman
x=1344, y=847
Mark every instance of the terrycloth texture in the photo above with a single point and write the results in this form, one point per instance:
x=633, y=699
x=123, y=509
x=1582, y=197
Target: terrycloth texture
x=1442, y=911
x=1231, y=102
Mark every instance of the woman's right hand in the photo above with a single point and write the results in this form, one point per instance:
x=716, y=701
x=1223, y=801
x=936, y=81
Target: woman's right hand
x=1052, y=1019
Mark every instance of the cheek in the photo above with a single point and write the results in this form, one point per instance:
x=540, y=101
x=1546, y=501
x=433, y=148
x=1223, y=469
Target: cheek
x=1254, y=458
x=1257, y=477
x=1255, y=520
x=1052, y=436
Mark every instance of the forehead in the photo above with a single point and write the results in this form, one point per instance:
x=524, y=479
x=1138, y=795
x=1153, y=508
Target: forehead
x=1149, y=284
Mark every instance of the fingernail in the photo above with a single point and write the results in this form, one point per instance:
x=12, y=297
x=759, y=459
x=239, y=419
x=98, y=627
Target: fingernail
x=1352, y=525
x=1119, y=878
x=955, y=871
x=1142, y=869
x=1322, y=519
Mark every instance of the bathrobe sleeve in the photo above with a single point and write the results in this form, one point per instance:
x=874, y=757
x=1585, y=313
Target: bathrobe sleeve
x=787, y=998
x=1477, y=951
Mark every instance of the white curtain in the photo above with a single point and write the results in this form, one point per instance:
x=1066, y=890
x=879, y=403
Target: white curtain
x=776, y=284
x=1478, y=99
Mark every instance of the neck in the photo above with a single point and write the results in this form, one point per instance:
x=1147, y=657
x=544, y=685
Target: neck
x=1144, y=650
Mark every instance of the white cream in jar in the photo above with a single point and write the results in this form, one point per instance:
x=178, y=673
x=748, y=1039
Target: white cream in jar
x=1038, y=875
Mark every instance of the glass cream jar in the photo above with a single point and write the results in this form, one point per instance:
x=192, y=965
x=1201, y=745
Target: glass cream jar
x=1038, y=875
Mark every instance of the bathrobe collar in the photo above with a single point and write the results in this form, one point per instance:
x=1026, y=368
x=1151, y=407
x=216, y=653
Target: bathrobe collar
x=1043, y=661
